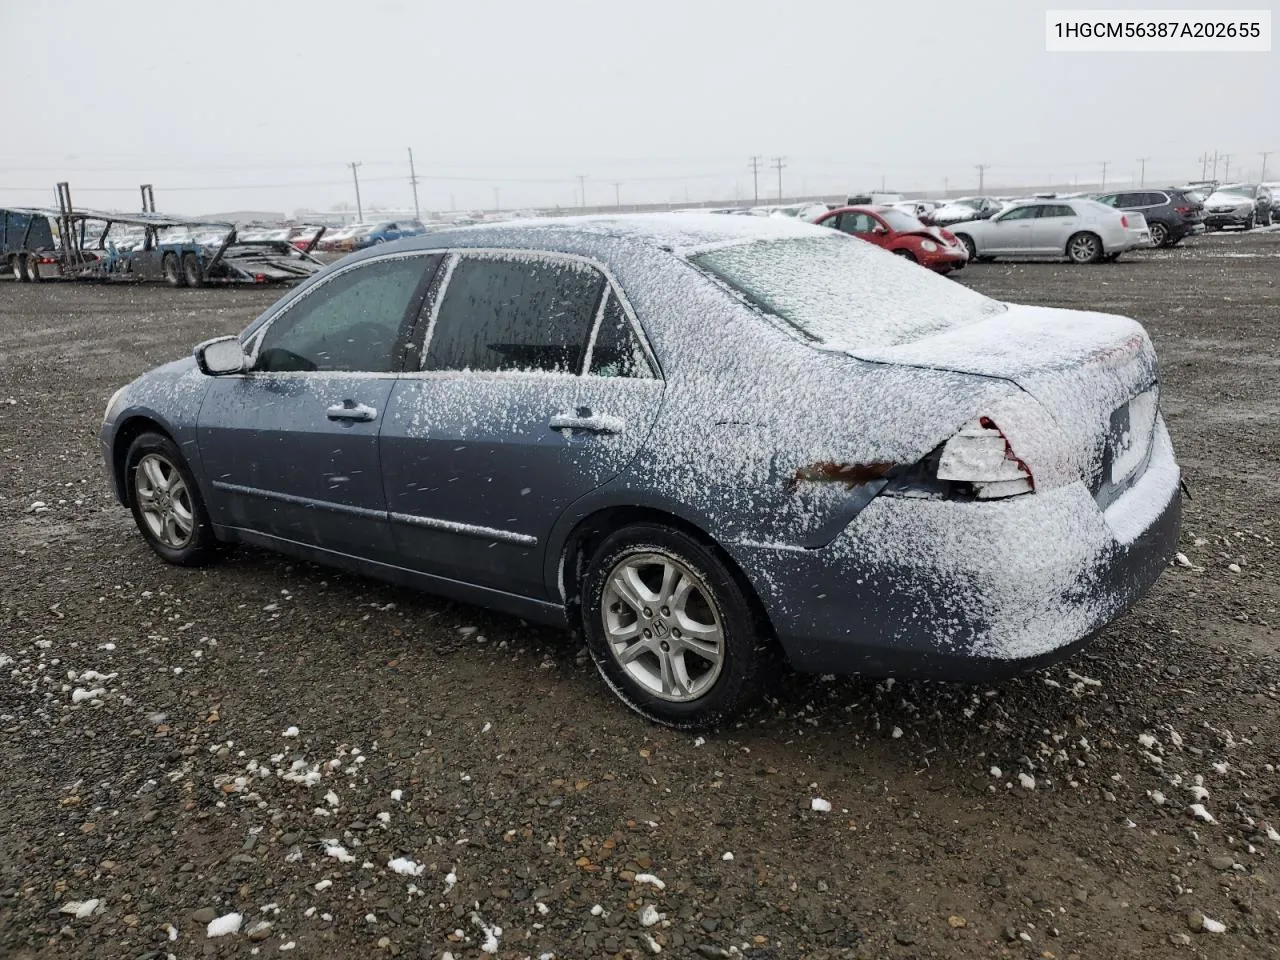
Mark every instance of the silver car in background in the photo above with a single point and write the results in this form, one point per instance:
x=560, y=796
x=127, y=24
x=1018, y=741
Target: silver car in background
x=1082, y=230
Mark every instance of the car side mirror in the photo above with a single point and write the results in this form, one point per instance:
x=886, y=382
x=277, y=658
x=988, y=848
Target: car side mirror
x=221, y=356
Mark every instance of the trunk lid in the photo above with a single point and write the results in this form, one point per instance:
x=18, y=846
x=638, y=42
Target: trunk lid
x=1094, y=374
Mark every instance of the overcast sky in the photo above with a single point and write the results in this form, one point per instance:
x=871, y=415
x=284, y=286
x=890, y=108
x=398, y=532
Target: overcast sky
x=259, y=105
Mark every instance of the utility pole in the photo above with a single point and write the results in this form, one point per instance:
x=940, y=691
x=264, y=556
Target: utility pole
x=617, y=194
x=755, y=176
x=1215, y=165
x=1264, y=155
x=355, y=177
x=778, y=164
x=413, y=179
x=1142, y=179
x=582, y=189
x=1104, y=174
x=1204, y=165
x=1226, y=173
x=982, y=178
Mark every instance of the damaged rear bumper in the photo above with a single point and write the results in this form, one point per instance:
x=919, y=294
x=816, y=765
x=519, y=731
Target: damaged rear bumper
x=970, y=591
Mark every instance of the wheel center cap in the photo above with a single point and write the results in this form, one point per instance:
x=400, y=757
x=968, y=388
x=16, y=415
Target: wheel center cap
x=660, y=628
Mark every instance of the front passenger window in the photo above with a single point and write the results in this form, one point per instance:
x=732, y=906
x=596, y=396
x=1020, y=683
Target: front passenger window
x=354, y=322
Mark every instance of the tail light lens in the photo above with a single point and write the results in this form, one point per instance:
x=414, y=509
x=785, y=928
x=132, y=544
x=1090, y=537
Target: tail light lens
x=1124, y=222
x=976, y=464
x=1184, y=211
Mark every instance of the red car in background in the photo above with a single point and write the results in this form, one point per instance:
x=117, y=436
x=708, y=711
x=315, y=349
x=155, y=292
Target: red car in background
x=899, y=232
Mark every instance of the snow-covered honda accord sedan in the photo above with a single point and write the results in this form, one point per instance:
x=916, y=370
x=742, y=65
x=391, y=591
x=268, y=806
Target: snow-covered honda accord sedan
x=702, y=440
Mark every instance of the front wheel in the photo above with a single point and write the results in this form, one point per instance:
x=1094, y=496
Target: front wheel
x=1249, y=222
x=166, y=502
x=1084, y=248
x=968, y=245
x=906, y=255
x=669, y=627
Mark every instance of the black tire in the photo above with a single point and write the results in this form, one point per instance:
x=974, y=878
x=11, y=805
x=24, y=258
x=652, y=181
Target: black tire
x=18, y=264
x=906, y=255
x=1249, y=222
x=744, y=644
x=1159, y=234
x=986, y=258
x=171, y=270
x=200, y=546
x=192, y=272
x=1084, y=247
x=968, y=245
x=33, y=268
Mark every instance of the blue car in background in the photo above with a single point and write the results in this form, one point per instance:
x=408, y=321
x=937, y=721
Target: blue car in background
x=387, y=231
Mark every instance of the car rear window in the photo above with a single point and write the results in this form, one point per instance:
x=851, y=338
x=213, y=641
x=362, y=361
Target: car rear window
x=844, y=292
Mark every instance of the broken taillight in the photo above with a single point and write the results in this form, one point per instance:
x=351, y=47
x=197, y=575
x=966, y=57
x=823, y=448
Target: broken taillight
x=1124, y=222
x=980, y=456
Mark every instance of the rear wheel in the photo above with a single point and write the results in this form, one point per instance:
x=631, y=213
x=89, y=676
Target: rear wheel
x=1084, y=248
x=192, y=272
x=1159, y=234
x=33, y=268
x=166, y=502
x=18, y=264
x=669, y=628
x=172, y=272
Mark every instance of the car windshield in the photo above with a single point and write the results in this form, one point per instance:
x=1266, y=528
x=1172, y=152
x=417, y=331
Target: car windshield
x=1243, y=190
x=845, y=293
x=901, y=221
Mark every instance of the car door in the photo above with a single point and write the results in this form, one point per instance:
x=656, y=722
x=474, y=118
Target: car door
x=1009, y=232
x=501, y=430
x=291, y=447
x=1050, y=230
x=864, y=226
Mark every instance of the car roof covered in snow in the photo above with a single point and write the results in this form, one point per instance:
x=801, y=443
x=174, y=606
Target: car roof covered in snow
x=603, y=235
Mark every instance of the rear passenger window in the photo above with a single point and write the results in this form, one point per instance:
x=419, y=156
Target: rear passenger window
x=617, y=351
x=530, y=315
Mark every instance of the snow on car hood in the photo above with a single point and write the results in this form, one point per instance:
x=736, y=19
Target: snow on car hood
x=1220, y=199
x=1079, y=366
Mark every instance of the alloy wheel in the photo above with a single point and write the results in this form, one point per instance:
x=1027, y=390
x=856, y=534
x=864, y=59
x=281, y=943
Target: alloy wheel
x=663, y=627
x=164, y=501
x=1084, y=248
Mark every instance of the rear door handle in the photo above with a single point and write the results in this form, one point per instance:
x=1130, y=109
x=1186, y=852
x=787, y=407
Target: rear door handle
x=348, y=410
x=588, y=424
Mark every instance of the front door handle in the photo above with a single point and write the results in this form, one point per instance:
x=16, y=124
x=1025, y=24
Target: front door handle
x=350, y=410
x=589, y=424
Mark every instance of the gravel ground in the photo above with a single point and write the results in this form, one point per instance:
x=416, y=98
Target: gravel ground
x=358, y=770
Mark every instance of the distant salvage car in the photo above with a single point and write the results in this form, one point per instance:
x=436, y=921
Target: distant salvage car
x=965, y=209
x=699, y=439
x=1083, y=231
x=1243, y=205
x=900, y=233
x=1172, y=214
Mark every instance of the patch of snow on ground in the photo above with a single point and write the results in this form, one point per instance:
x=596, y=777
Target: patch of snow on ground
x=820, y=805
x=405, y=867
x=224, y=925
x=650, y=879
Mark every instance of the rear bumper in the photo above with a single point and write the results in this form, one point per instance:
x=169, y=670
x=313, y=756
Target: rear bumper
x=970, y=591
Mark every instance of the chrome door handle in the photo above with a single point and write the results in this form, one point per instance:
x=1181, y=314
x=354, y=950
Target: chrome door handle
x=356, y=412
x=589, y=424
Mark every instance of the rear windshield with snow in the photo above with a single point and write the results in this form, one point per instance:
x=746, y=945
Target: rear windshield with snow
x=845, y=293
